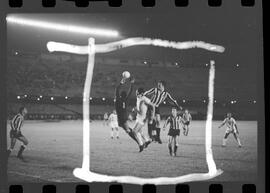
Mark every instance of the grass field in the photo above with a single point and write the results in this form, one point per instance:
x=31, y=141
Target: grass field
x=55, y=149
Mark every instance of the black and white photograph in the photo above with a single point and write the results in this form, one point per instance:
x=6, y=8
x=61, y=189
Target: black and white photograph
x=160, y=98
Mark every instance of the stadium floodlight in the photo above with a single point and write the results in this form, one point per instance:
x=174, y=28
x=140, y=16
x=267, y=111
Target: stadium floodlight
x=18, y=97
x=62, y=27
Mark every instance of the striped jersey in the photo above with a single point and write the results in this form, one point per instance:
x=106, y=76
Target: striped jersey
x=157, y=96
x=17, y=122
x=175, y=122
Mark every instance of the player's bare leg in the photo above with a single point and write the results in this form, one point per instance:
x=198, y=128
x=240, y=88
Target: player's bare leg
x=158, y=128
x=117, y=132
x=130, y=132
x=225, y=139
x=112, y=133
x=237, y=139
x=137, y=130
x=147, y=141
x=12, y=145
x=186, y=130
x=170, y=145
x=22, y=148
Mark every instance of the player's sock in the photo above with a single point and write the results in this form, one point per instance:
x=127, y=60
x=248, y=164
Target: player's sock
x=239, y=142
x=131, y=133
x=224, y=142
x=175, y=149
x=150, y=130
x=170, y=149
x=22, y=148
x=158, y=135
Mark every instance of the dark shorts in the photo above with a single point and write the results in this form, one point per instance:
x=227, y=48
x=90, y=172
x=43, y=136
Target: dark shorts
x=174, y=132
x=15, y=134
x=187, y=123
x=122, y=119
x=150, y=110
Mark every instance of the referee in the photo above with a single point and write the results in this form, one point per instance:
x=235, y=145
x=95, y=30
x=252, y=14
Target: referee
x=157, y=96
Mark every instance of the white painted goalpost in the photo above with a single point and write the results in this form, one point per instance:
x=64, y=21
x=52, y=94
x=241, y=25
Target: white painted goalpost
x=84, y=172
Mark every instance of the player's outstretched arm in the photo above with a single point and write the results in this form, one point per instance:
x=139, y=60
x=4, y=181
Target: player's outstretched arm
x=173, y=101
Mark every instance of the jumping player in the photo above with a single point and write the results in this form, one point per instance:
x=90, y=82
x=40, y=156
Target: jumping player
x=186, y=121
x=157, y=96
x=121, y=107
x=114, y=124
x=231, y=128
x=175, y=122
x=141, y=107
x=16, y=134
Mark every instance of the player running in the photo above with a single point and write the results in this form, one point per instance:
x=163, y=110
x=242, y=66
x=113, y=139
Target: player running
x=16, y=134
x=141, y=108
x=186, y=120
x=121, y=107
x=175, y=121
x=157, y=96
x=113, y=124
x=231, y=128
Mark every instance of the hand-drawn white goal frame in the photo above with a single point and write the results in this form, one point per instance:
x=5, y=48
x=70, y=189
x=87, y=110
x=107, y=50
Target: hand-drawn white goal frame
x=84, y=173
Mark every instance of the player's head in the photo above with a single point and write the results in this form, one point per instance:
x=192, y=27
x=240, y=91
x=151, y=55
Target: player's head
x=186, y=111
x=139, y=92
x=123, y=94
x=174, y=111
x=229, y=115
x=161, y=85
x=23, y=110
x=114, y=111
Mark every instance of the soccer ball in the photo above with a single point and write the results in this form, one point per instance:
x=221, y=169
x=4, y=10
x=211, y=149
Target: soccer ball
x=126, y=75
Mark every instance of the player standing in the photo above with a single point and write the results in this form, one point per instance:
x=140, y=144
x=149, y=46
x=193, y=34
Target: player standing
x=157, y=96
x=16, y=133
x=114, y=124
x=186, y=121
x=175, y=122
x=105, y=118
x=231, y=128
x=141, y=108
x=121, y=107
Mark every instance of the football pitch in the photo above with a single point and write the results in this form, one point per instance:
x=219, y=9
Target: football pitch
x=55, y=149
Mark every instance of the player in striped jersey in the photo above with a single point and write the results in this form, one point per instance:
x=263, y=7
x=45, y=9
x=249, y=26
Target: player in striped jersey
x=230, y=123
x=175, y=121
x=157, y=96
x=16, y=133
x=186, y=120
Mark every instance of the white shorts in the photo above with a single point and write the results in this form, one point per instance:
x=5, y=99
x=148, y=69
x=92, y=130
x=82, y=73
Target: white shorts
x=114, y=125
x=230, y=130
x=140, y=119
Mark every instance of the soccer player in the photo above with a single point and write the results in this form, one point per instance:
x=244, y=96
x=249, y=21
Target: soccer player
x=175, y=122
x=141, y=107
x=114, y=124
x=121, y=107
x=186, y=120
x=105, y=117
x=231, y=128
x=157, y=96
x=16, y=133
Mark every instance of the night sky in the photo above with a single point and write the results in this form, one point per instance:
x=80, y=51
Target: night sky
x=237, y=33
